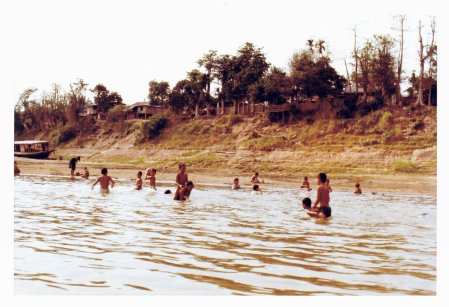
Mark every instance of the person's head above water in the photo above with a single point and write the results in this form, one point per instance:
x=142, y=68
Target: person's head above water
x=256, y=187
x=167, y=192
x=306, y=203
x=190, y=185
x=236, y=180
x=182, y=167
x=139, y=174
x=78, y=158
x=306, y=178
x=321, y=178
x=357, y=185
x=104, y=171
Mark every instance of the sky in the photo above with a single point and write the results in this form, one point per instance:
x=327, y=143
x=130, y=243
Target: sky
x=126, y=44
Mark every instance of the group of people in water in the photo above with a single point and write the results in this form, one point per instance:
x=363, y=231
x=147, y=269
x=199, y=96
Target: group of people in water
x=320, y=208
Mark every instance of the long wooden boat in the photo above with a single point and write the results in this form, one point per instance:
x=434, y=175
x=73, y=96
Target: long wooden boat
x=32, y=149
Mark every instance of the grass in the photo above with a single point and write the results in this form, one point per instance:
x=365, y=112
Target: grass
x=404, y=166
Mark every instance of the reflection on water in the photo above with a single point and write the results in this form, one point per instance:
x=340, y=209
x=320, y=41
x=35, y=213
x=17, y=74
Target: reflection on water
x=72, y=240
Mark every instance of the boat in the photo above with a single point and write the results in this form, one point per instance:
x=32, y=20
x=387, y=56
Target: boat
x=32, y=149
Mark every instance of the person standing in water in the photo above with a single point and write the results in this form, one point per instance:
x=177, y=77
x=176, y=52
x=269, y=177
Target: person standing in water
x=72, y=165
x=321, y=206
x=139, y=181
x=182, y=178
x=104, y=181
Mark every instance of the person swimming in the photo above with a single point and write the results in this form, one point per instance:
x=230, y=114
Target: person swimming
x=256, y=189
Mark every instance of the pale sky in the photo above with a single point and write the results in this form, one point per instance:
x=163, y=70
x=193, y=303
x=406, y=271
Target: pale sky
x=125, y=44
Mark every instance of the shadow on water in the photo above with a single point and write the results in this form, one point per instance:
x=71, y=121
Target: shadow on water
x=70, y=239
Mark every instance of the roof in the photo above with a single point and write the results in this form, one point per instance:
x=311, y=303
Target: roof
x=29, y=142
x=140, y=104
x=143, y=104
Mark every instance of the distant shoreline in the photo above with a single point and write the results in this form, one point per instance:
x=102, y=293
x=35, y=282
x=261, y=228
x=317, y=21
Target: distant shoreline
x=404, y=183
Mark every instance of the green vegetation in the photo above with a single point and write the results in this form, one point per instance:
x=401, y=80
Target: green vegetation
x=152, y=128
x=404, y=166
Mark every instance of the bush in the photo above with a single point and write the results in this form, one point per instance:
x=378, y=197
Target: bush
x=404, y=166
x=349, y=107
x=386, y=121
x=67, y=133
x=116, y=113
x=391, y=135
x=88, y=125
x=234, y=119
x=366, y=108
x=152, y=128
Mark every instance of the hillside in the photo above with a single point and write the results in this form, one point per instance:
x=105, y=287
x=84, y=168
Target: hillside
x=382, y=142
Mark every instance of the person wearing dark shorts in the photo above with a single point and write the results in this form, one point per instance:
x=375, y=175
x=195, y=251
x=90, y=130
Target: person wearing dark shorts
x=327, y=211
x=72, y=165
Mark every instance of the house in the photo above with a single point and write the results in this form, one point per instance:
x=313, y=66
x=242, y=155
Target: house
x=143, y=110
x=91, y=109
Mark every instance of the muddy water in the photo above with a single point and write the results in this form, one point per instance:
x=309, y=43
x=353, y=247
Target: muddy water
x=72, y=240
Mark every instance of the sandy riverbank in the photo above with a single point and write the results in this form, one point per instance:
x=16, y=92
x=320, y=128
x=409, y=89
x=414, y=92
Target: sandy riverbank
x=404, y=183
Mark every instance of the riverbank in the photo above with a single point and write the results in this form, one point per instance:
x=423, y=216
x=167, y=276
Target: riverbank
x=370, y=183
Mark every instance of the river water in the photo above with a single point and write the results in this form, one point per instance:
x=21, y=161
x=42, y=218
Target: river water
x=72, y=240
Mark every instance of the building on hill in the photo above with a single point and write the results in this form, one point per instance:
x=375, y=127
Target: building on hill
x=143, y=110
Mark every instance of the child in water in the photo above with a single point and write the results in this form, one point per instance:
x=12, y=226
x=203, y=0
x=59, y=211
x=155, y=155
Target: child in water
x=305, y=184
x=357, y=189
x=184, y=193
x=236, y=184
x=104, y=181
x=86, y=174
x=152, y=178
x=182, y=178
x=255, y=178
x=321, y=206
x=256, y=189
x=139, y=181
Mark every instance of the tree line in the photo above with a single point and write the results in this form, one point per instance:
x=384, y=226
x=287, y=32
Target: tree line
x=246, y=77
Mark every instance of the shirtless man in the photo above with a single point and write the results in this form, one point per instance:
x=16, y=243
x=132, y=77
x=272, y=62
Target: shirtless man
x=72, y=165
x=322, y=201
x=184, y=192
x=104, y=181
x=182, y=178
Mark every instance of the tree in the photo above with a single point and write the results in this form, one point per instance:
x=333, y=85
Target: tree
x=210, y=62
x=223, y=74
x=158, y=92
x=24, y=107
x=425, y=52
x=248, y=67
x=383, y=75
x=179, y=99
x=276, y=86
x=195, y=88
x=76, y=101
x=314, y=76
x=104, y=99
x=401, y=19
